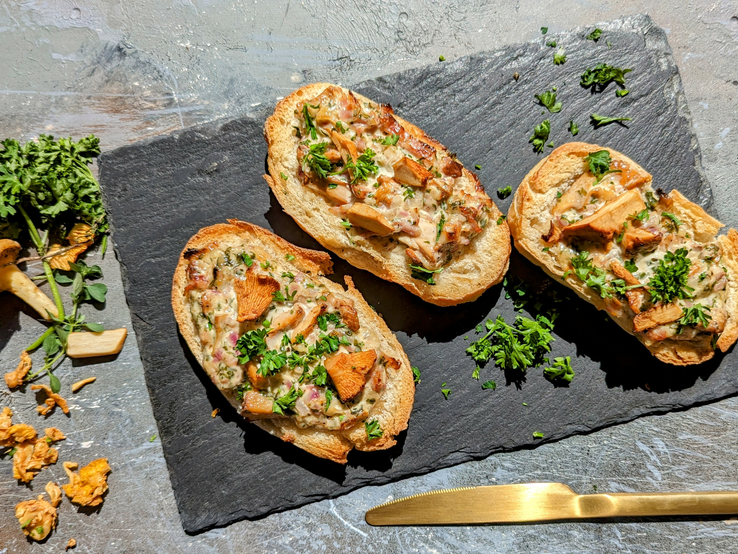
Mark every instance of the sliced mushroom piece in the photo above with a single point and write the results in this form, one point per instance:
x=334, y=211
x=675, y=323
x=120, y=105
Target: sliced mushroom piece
x=345, y=307
x=258, y=381
x=387, y=191
x=608, y=221
x=257, y=404
x=366, y=217
x=411, y=173
x=16, y=282
x=254, y=294
x=636, y=238
x=554, y=233
x=658, y=315
x=348, y=371
x=451, y=168
x=306, y=325
x=89, y=345
x=286, y=319
x=346, y=147
x=635, y=296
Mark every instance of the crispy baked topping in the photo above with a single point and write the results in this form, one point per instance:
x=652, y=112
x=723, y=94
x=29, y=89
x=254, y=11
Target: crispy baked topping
x=388, y=183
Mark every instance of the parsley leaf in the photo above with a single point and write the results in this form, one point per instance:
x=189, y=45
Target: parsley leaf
x=537, y=435
x=602, y=75
x=540, y=135
x=361, y=168
x=247, y=259
x=561, y=369
x=439, y=226
x=548, y=100
x=332, y=317
x=423, y=274
x=600, y=120
x=489, y=385
x=670, y=277
x=373, y=429
x=444, y=391
x=271, y=363
x=309, y=121
x=630, y=266
x=595, y=277
x=390, y=140
x=675, y=223
x=317, y=162
x=595, y=35
x=573, y=128
x=560, y=57
x=544, y=30
x=416, y=374
x=599, y=164
x=286, y=401
x=504, y=193
x=251, y=344
x=622, y=92
x=475, y=373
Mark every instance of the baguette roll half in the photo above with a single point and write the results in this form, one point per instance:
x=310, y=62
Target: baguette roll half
x=590, y=216
x=380, y=193
x=292, y=351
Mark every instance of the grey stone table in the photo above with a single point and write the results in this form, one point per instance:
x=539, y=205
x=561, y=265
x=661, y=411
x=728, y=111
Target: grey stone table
x=129, y=70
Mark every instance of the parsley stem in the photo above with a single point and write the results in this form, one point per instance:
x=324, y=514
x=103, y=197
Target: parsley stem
x=39, y=341
x=54, y=289
x=32, y=231
x=47, y=366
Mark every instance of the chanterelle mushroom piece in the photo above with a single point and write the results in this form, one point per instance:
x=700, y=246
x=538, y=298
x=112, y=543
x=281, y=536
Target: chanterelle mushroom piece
x=54, y=492
x=52, y=400
x=366, y=217
x=81, y=237
x=36, y=517
x=18, y=283
x=348, y=371
x=658, y=315
x=608, y=221
x=15, y=378
x=409, y=172
x=254, y=294
x=87, y=487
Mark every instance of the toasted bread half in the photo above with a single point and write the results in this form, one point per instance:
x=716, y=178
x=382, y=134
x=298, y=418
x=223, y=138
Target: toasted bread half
x=652, y=260
x=238, y=280
x=418, y=207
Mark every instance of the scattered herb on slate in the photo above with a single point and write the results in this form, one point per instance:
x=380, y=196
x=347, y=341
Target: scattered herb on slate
x=670, y=277
x=416, y=374
x=445, y=392
x=595, y=35
x=602, y=75
x=489, y=385
x=441, y=58
x=622, y=92
x=475, y=373
x=548, y=100
x=540, y=135
x=153, y=438
x=573, y=128
x=519, y=346
x=544, y=30
x=477, y=167
x=600, y=120
x=551, y=43
x=560, y=369
x=537, y=435
x=505, y=192
x=560, y=57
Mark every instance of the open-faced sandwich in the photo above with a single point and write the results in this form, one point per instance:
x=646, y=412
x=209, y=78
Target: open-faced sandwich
x=589, y=215
x=380, y=193
x=304, y=359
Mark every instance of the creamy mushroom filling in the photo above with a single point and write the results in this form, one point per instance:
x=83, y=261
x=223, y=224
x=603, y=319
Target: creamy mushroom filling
x=617, y=236
x=304, y=356
x=386, y=184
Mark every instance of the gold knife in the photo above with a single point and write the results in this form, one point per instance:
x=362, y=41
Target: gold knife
x=542, y=502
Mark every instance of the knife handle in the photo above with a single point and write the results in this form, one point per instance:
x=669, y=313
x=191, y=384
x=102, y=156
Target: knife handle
x=658, y=504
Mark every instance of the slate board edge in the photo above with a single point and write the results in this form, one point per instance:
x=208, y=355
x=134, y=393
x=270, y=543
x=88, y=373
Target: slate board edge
x=659, y=44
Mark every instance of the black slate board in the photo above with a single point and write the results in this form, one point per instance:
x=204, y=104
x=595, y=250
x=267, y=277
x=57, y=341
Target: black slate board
x=162, y=191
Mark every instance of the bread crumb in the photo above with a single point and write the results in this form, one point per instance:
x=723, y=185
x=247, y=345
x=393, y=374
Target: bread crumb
x=71, y=544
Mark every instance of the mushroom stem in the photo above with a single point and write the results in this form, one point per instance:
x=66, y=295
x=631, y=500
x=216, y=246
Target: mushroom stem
x=15, y=281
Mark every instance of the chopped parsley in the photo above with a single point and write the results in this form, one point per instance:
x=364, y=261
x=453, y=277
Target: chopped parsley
x=630, y=266
x=540, y=135
x=548, y=101
x=340, y=127
x=309, y=121
x=596, y=278
x=332, y=317
x=317, y=162
x=561, y=369
x=444, y=391
x=423, y=274
x=641, y=216
x=475, y=373
x=551, y=43
x=544, y=30
x=251, y=344
x=362, y=168
x=560, y=57
x=441, y=58
x=477, y=167
x=283, y=176
x=696, y=315
x=505, y=192
x=599, y=165
x=622, y=92
x=389, y=140
x=600, y=120
x=416, y=374
x=500, y=219
x=439, y=226
x=573, y=128
x=286, y=401
x=247, y=259
x=289, y=257
x=328, y=398
x=489, y=385
x=271, y=363
x=602, y=75
x=373, y=429
x=346, y=223
x=670, y=278
x=407, y=192
x=519, y=346
x=537, y=435
x=319, y=376
x=674, y=220
x=595, y=35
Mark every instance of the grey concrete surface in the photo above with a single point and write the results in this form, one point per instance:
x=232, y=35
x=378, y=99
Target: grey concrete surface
x=127, y=70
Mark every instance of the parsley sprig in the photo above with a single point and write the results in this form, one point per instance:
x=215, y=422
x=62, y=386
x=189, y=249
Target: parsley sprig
x=423, y=274
x=540, y=135
x=560, y=369
x=315, y=159
x=697, y=314
x=670, y=278
x=599, y=164
x=602, y=75
x=548, y=100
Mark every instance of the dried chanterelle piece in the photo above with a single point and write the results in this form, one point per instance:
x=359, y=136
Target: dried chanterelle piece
x=71, y=544
x=38, y=517
x=79, y=384
x=15, y=281
x=15, y=378
x=81, y=237
x=52, y=400
x=87, y=487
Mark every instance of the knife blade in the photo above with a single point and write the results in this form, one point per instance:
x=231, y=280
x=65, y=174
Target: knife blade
x=528, y=502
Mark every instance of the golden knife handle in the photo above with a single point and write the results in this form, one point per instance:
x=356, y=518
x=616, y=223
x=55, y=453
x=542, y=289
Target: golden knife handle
x=657, y=504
